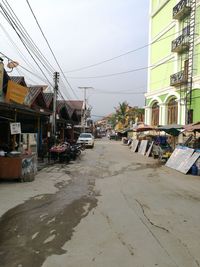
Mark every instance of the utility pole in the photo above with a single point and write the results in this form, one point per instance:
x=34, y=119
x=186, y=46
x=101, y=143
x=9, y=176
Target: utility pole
x=55, y=92
x=83, y=122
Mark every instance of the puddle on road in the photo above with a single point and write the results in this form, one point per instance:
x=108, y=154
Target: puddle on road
x=41, y=226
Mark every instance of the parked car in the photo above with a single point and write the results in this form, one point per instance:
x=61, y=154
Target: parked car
x=87, y=139
x=113, y=136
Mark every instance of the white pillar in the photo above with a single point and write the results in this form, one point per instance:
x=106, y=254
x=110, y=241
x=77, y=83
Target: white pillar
x=181, y=112
x=148, y=114
x=163, y=114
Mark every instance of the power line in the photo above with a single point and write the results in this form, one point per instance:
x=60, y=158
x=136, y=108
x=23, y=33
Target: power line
x=26, y=35
x=13, y=25
x=50, y=48
x=123, y=54
x=28, y=43
x=125, y=72
x=121, y=93
x=34, y=74
x=16, y=47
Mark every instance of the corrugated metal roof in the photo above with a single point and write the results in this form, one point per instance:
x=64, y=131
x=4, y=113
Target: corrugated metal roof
x=48, y=97
x=34, y=91
x=75, y=104
x=18, y=79
x=63, y=103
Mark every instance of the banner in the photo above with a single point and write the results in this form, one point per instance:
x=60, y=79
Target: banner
x=1, y=77
x=16, y=92
x=15, y=128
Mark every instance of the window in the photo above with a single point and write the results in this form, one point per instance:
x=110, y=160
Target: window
x=155, y=114
x=172, y=111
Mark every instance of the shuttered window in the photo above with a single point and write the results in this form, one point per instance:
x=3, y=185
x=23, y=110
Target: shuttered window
x=172, y=111
x=155, y=114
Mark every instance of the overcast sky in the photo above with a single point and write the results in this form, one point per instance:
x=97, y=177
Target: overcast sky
x=82, y=33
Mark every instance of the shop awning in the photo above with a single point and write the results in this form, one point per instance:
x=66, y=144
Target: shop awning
x=193, y=127
x=143, y=127
x=172, y=129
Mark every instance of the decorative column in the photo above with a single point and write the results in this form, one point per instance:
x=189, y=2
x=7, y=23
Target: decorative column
x=148, y=115
x=163, y=114
x=181, y=112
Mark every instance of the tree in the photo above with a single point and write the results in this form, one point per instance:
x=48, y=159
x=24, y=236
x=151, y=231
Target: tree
x=122, y=113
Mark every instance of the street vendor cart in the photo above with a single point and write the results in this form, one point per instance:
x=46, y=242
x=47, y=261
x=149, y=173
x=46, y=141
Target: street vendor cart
x=60, y=152
x=17, y=166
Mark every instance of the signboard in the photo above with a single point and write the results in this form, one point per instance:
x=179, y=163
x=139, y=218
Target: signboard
x=178, y=157
x=1, y=77
x=188, y=164
x=16, y=92
x=143, y=147
x=182, y=159
x=15, y=128
x=150, y=149
x=134, y=145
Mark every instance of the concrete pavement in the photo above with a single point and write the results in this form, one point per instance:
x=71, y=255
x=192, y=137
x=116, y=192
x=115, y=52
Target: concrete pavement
x=145, y=214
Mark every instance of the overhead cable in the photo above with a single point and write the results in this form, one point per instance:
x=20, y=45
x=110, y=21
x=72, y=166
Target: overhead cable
x=23, y=42
x=15, y=25
x=50, y=48
x=125, y=72
x=123, y=54
x=26, y=35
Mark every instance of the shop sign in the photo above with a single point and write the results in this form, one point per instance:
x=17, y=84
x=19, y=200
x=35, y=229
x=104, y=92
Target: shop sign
x=1, y=77
x=15, y=128
x=16, y=92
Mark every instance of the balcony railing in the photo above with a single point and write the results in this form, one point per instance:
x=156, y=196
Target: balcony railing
x=181, y=43
x=178, y=78
x=181, y=10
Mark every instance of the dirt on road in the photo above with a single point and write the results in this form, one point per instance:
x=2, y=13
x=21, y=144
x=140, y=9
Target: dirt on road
x=110, y=208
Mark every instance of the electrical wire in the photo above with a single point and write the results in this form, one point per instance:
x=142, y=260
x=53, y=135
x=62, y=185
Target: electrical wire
x=26, y=35
x=50, y=48
x=124, y=72
x=13, y=25
x=124, y=54
x=17, y=49
x=121, y=93
x=24, y=68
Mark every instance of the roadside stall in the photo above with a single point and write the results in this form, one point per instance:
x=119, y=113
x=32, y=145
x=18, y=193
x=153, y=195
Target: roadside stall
x=60, y=152
x=142, y=138
x=193, y=140
x=186, y=157
x=15, y=164
x=165, y=144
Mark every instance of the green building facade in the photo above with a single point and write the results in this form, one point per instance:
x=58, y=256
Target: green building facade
x=173, y=93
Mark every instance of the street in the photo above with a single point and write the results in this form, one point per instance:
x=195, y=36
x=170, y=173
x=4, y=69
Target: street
x=111, y=208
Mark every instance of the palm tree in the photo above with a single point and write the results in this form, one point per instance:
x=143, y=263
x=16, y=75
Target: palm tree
x=122, y=113
x=136, y=114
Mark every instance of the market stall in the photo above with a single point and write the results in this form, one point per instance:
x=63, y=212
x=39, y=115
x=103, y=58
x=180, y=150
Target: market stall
x=60, y=152
x=24, y=167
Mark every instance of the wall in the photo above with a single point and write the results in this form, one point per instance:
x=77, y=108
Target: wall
x=196, y=104
x=163, y=18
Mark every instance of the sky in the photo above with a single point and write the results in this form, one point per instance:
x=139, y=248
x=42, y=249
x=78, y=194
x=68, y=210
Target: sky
x=82, y=33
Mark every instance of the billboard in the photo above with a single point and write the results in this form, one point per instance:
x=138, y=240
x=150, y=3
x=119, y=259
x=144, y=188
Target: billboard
x=16, y=92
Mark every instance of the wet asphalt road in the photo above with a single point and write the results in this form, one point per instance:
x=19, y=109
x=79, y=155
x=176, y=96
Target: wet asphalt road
x=124, y=199
x=40, y=227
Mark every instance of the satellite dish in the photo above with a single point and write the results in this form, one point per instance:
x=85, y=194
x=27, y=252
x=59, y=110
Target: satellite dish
x=12, y=64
